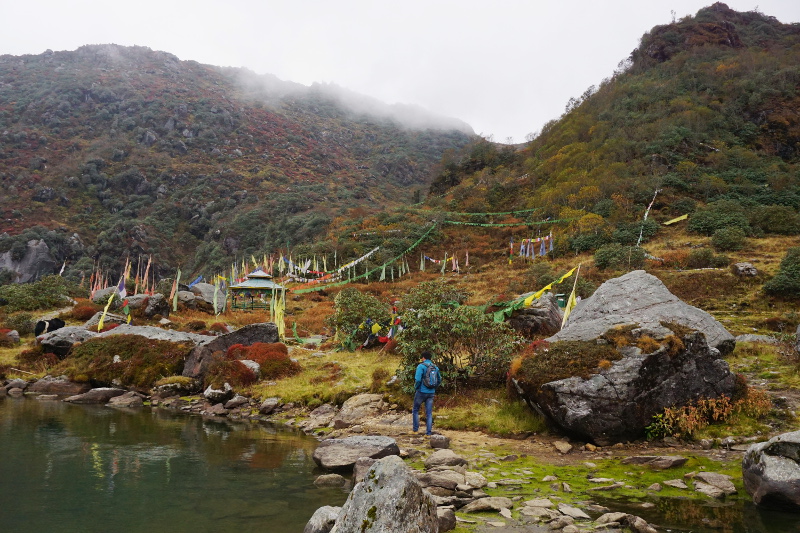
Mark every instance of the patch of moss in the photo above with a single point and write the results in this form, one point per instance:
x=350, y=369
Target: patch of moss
x=562, y=360
x=140, y=361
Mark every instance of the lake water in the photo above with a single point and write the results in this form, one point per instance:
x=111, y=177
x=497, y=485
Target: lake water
x=70, y=468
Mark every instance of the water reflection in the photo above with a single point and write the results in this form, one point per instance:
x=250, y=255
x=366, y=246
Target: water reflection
x=72, y=468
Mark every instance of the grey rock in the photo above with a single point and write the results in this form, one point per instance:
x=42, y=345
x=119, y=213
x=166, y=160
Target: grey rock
x=100, y=395
x=361, y=467
x=676, y=484
x=269, y=405
x=16, y=391
x=237, y=401
x=60, y=341
x=475, y=480
x=574, y=512
x=447, y=519
x=204, y=353
x=439, y=442
x=158, y=334
x=771, y=472
x=563, y=447
x=721, y=481
x=708, y=490
x=319, y=417
x=763, y=339
x=357, y=408
x=187, y=299
x=744, y=269
x=656, y=462
x=640, y=298
x=217, y=409
x=322, y=520
x=177, y=389
x=539, y=502
x=16, y=384
x=34, y=264
x=655, y=487
x=638, y=524
x=12, y=337
x=540, y=513
x=110, y=318
x=129, y=399
x=444, y=457
x=157, y=304
x=330, y=480
x=611, y=517
x=254, y=367
x=389, y=500
x=617, y=404
x=218, y=395
x=543, y=317
x=561, y=522
x=100, y=296
x=204, y=297
x=342, y=454
x=58, y=385
x=446, y=479
x=492, y=503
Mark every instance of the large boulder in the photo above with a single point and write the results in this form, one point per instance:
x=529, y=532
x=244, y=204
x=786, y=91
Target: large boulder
x=187, y=299
x=59, y=385
x=771, y=472
x=158, y=334
x=342, y=454
x=202, y=355
x=616, y=403
x=322, y=520
x=204, y=297
x=157, y=304
x=101, y=296
x=60, y=341
x=99, y=395
x=640, y=298
x=35, y=263
x=543, y=317
x=357, y=408
x=389, y=500
x=110, y=318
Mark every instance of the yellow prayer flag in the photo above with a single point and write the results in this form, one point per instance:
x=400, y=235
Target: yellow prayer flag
x=678, y=219
x=105, y=312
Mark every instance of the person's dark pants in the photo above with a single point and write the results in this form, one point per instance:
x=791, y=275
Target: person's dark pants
x=419, y=398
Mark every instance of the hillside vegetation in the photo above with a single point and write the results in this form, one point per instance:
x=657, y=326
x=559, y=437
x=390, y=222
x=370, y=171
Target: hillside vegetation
x=110, y=151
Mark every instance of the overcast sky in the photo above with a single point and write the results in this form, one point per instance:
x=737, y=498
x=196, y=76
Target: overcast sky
x=504, y=67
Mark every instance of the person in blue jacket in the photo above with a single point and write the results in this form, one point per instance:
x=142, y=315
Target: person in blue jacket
x=423, y=394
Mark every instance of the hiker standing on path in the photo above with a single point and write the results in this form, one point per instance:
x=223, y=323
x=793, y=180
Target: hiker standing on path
x=427, y=378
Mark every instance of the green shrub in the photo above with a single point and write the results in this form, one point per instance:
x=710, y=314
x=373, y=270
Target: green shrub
x=466, y=344
x=786, y=283
x=430, y=293
x=780, y=219
x=587, y=242
x=617, y=257
x=22, y=322
x=705, y=258
x=628, y=232
x=728, y=239
x=351, y=308
x=48, y=292
x=718, y=215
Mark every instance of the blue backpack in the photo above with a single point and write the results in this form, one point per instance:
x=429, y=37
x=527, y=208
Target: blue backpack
x=431, y=378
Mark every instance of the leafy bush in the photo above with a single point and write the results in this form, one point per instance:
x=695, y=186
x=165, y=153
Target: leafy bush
x=85, y=311
x=430, y=293
x=48, y=292
x=728, y=239
x=351, y=308
x=718, y=215
x=588, y=242
x=628, y=232
x=786, y=283
x=779, y=219
x=465, y=343
x=22, y=322
x=141, y=361
x=616, y=256
x=705, y=258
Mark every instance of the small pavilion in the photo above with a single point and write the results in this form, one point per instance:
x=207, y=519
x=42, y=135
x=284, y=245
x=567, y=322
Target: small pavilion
x=255, y=292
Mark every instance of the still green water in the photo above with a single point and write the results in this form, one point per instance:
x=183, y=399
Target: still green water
x=70, y=468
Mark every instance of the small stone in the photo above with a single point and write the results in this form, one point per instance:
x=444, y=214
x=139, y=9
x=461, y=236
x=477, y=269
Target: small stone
x=706, y=444
x=655, y=487
x=439, y=442
x=563, y=447
x=676, y=483
x=505, y=513
x=590, y=447
x=497, y=524
x=574, y=512
x=647, y=505
x=539, y=502
x=566, y=488
x=549, y=478
x=330, y=480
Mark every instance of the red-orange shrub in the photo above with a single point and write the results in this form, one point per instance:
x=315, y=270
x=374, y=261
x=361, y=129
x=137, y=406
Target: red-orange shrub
x=85, y=311
x=273, y=358
x=233, y=372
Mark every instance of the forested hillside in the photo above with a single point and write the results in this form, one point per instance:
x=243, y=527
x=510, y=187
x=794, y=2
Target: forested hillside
x=706, y=111
x=110, y=151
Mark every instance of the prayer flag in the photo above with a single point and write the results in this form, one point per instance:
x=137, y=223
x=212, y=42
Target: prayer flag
x=678, y=219
x=175, y=296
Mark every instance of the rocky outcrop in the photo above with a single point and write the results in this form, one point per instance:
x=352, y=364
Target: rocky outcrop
x=158, y=334
x=640, y=298
x=34, y=264
x=322, y=520
x=389, y=500
x=771, y=472
x=202, y=355
x=319, y=418
x=357, y=408
x=100, y=395
x=204, y=297
x=218, y=395
x=101, y=296
x=157, y=304
x=543, y=317
x=59, y=385
x=616, y=404
x=129, y=400
x=342, y=454
x=110, y=318
x=60, y=342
